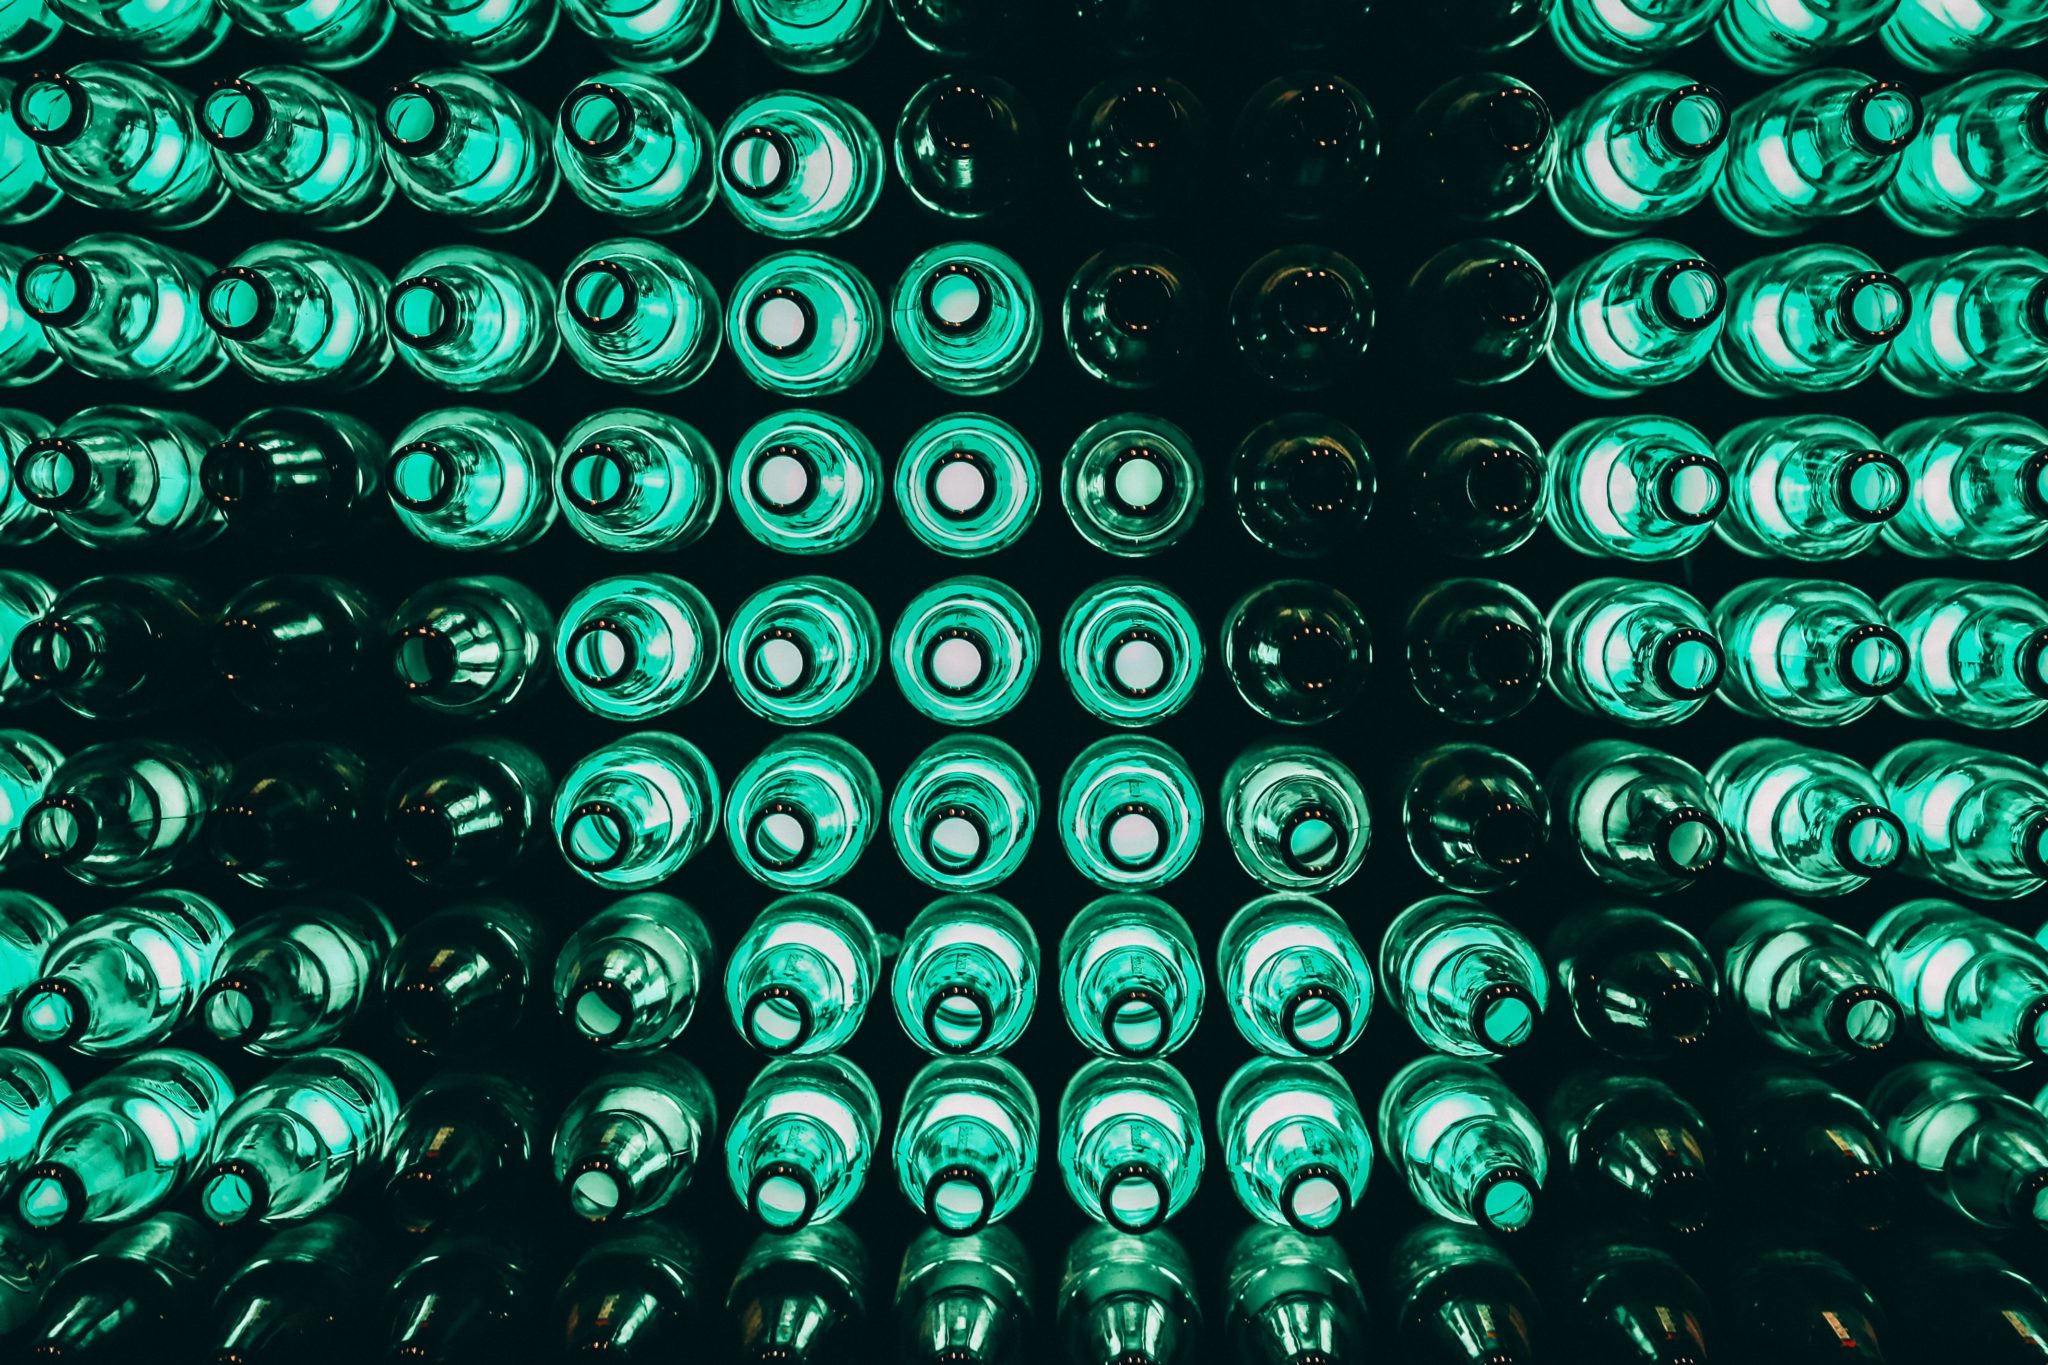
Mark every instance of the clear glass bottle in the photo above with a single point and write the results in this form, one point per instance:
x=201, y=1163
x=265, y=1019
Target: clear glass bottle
x=1480, y=312
x=967, y=484
x=1980, y=487
x=637, y=646
x=802, y=1296
x=1805, y=983
x=1641, y=488
x=486, y=38
x=963, y=1300
x=1809, y=1152
x=115, y=136
x=802, y=811
x=800, y=979
x=1132, y=484
x=116, y=646
x=1130, y=1142
x=963, y=813
x=1639, y=985
x=296, y=313
x=1303, y=484
x=296, y=977
x=1130, y=813
x=811, y=36
x=463, y=146
x=800, y=651
x=1642, y=150
x=1983, y=160
x=1814, y=319
x=966, y=318
x=462, y=977
x=1459, y=1300
x=638, y=481
x=26, y=354
x=1979, y=651
x=297, y=477
x=1133, y=316
x=292, y=1144
x=1296, y=980
x=1930, y=37
x=1481, y=146
x=1811, y=651
x=1771, y=41
x=964, y=651
x=967, y=1143
x=1978, y=989
x=966, y=977
x=1476, y=818
x=1979, y=324
x=963, y=145
x=634, y=1294
x=1476, y=485
x=633, y=146
x=629, y=1141
x=1638, y=818
x=1294, y=1142
x=633, y=312
x=1614, y=37
x=122, y=477
x=1301, y=318
x=1468, y=1148
x=1130, y=977
x=467, y=479
x=1976, y=821
x=1139, y=145
x=470, y=646
x=462, y=1145
x=630, y=976
x=1128, y=1298
x=120, y=308
x=1636, y=316
x=630, y=813
x=1131, y=651
x=1298, y=651
x=1636, y=652
x=1813, y=823
x=805, y=482
x=28, y=926
x=475, y=320
x=663, y=36
x=803, y=324
x=1811, y=487
x=1634, y=1143
x=799, y=165
x=294, y=142
x=1306, y=145
x=127, y=1292
x=803, y=1140
x=1815, y=147
x=126, y=811
x=1296, y=817
x=1977, y=1148
x=1475, y=650
x=1463, y=977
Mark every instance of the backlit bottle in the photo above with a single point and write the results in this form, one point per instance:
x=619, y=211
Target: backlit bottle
x=1979, y=324
x=1476, y=818
x=1131, y=980
x=1306, y=144
x=800, y=651
x=1301, y=317
x=1928, y=37
x=295, y=978
x=1977, y=1148
x=463, y=977
x=116, y=646
x=1642, y=150
x=1480, y=312
x=1636, y=316
x=1638, y=818
x=1296, y=817
x=1641, y=488
x=122, y=477
x=967, y=484
x=463, y=146
x=26, y=354
x=130, y=1291
x=1468, y=1148
x=1297, y=981
x=802, y=1296
x=291, y=1144
x=966, y=318
x=1976, y=821
x=1634, y=1143
x=1464, y=978
x=125, y=1143
x=1809, y=487
x=1132, y=316
x=964, y=651
x=1637, y=652
x=1810, y=651
x=812, y=36
x=805, y=482
x=803, y=1141
x=297, y=477
x=490, y=38
x=1294, y=1142
x=802, y=811
x=634, y=312
x=1475, y=650
x=1639, y=985
x=1805, y=983
x=1476, y=485
x=1984, y=158
x=634, y=1294
x=1460, y=1299
x=800, y=980
x=629, y=1141
x=1817, y=146
x=34, y=1090
x=963, y=1300
x=963, y=814
x=26, y=190
x=470, y=646
x=963, y=145
x=296, y=313
x=294, y=142
x=1815, y=319
x=967, y=1143
x=1282, y=1290
x=1480, y=146
x=658, y=37
x=1980, y=487
x=467, y=479
x=796, y=164
x=803, y=324
x=1303, y=484
x=463, y=1144
x=126, y=811
x=1813, y=823
x=1132, y=484
x=1138, y=145
x=1128, y=1298
x=1607, y=38
x=1130, y=1142
x=309, y=1290
x=637, y=481
x=117, y=307
x=466, y=1296
x=1774, y=42
x=633, y=146
x=1131, y=651
x=1979, y=651
x=1807, y=1151
x=477, y=321
x=1298, y=651
x=115, y=136
x=1130, y=813
x=1978, y=989
x=629, y=814
x=637, y=646
x=630, y=976
x=966, y=978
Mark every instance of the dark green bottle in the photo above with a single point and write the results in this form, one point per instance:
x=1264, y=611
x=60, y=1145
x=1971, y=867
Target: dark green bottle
x=964, y=1300
x=1636, y=1144
x=464, y=976
x=1132, y=316
x=1807, y=1153
x=1476, y=485
x=635, y=1295
x=1950, y=1296
x=462, y=1145
x=297, y=643
x=465, y=813
x=305, y=1297
x=1301, y=317
x=293, y=978
x=801, y=1298
x=1638, y=984
x=1303, y=484
x=1459, y=1300
x=293, y=815
x=1480, y=146
x=468, y=1298
x=963, y=143
x=297, y=476
x=1801, y=1308
x=1479, y=312
x=1306, y=144
x=1139, y=145
x=138, y=1290
x=1620, y=1300
x=1291, y=1300
x=1126, y=1300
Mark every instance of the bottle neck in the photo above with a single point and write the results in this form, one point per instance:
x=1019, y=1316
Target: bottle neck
x=636, y=1305
x=964, y=131
x=1482, y=995
x=1669, y=658
x=1677, y=486
x=2016, y=645
x=1845, y=311
x=1306, y=994
x=1651, y=1149
x=957, y=991
x=1486, y=820
x=615, y=1164
x=1827, y=485
x=97, y=1167
x=2000, y=1178
x=457, y=653
x=86, y=117
x=91, y=470
x=790, y=1165
x=83, y=649
x=623, y=992
x=455, y=314
x=623, y=481
x=1666, y=826
x=445, y=138
x=448, y=1163
x=1304, y=1326
x=1831, y=653
x=791, y=993
x=1646, y=997
x=269, y=996
x=962, y=1174
x=1486, y=1168
x=280, y=310
x=278, y=470
x=2001, y=1009
x=1860, y=129
x=617, y=136
x=962, y=1325
x=1489, y=647
x=269, y=1166
x=621, y=821
x=456, y=819
x=455, y=470
x=81, y=294
x=1132, y=995
x=268, y=131
x=624, y=305
x=455, y=988
x=106, y=994
x=1829, y=1002
x=2010, y=327
x=1661, y=135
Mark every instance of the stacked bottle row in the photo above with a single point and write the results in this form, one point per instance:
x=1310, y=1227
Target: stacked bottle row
x=1923, y=34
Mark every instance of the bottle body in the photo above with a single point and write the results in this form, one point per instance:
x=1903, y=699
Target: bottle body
x=630, y=814
x=1639, y=985
x=1130, y=1142
x=1805, y=983
x=799, y=982
x=1131, y=316
x=1636, y=652
x=803, y=1141
x=962, y=146
x=467, y=479
x=117, y=307
x=1811, y=652
x=966, y=977
x=291, y=1144
x=1296, y=817
x=294, y=142
x=464, y=976
x=1476, y=650
x=798, y=652
x=1636, y=316
x=1979, y=324
x=1811, y=488
x=633, y=146
x=1817, y=146
x=122, y=1145
x=1978, y=989
x=634, y=312
x=1130, y=813
x=116, y=136
x=1295, y=1144
x=1476, y=818
x=1298, y=651
x=1481, y=145
x=465, y=146
x=1296, y=979
x=803, y=324
x=1131, y=982
x=967, y=484
x=121, y=813
x=812, y=37
x=297, y=476
x=967, y=1143
x=630, y=977
x=117, y=646
x=1641, y=819
x=673, y=36
x=1639, y=488
x=1977, y=652
x=1132, y=484
x=462, y=1144
x=121, y=477
x=1476, y=485
x=966, y=317
x=294, y=978
x=478, y=321
x=1815, y=319
x=1634, y=1143
x=1482, y=311
x=965, y=650
x=463, y=814
x=1465, y=979
x=798, y=165
x=1984, y=158
x=1646, y=148
x=1301, y=317
x=1602, y=38
x=637, y=481
x=1980, y=487
x=1976, y=821
x=1978, y=1149
x=1469, y=1150
x=294, y=313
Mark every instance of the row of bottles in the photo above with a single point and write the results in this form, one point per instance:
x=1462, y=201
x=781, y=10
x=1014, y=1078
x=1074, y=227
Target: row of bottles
x=1923, y=34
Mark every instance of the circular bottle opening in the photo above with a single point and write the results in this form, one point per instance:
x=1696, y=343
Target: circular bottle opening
x=61, y=829
x=959, y=1201
x=1139, y=481
x=1504, y=1018
x=1507, y=656
x=778, y=1020
x=781, y=322
x=1863, y=1019
x=958, y=1018
x=1883, y=117
x=1315, y=1198
x=1682, y=1012
x=1873, y=308
x=1688, y=842
x=234, y=116
x=961, y=485
x=53, y=1011
x=55, y=290
x=1505, y=1199
x=596, y=119
x=1316, y=1020
x=1314, y=303
x=602, y=296
x=597, y=836
x=1139, y=300
x=1137, y=662
x=1692, y=489
x=784, y=479
x=956, y=298
x=1313, y=840
x=2033, y=845
x=779, y=662
x=1517, y=121
x=955, y=840
x=239, y=303
x=423, y=835
x=415, y=120
x=1504, y=482
x=781, y=836
x=1872, y=660
x=233, y=1012
x=232, y=1193
x=54, y=474
x=956, y=662
x=1133, y=837
x=759, y=161
x=1689, y=295
x=783, y=1196
x=601, y=653
x=1692, y=121
x=52, y=108
x=1135, y=1198
x=1687, y=664
x=1143, y=118
x=1506, y=836
x=1136, y=1022
x=424, y=660
x=598, y=1190
x=601, y=1010
x=1872, y=487
x=1869, y=839
x=596, y=478
x=51, y=1196
x=1311, y=655
x=421, y=311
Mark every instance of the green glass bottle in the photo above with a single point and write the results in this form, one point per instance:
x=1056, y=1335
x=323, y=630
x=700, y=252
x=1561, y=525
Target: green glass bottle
x=293, y=978
x=124, y=1143
x=28, y=926
x=1980, y=487
x=1130, y=813
x=1815, y=147
x=463, y=814
x=117, y=646
x=964, y=1300
x=1296, y=980
x=1644, y=149
x=1303, y=484
x=467, y=479
x=1480, y=311
x=1623, y=1300
x=463, y=146
x=1132, y=316
x=637, y=481
x=1468, y=1148
x=468, y=1295
x=1809, y=487
x=463, y=1145
x=965, y=650
x=1931, y=37
x=1639, y=986
x=630, y=976
x=294, y=142
x=1805, y=983
x=1139, y=145
x=24, y=599
x=1637, y=315
x=798, y=652
x=1983, y=160
x=1978, y=1149
x=802, y=1141
x=1636, y=1144
x=295, y=313
x=292, y=815
x=802, y=811
x=1636, y=652
x=129, y=1292
x=116, y=477
x=1464, y=978
x=1476, y=485
x=291, y=1144
x=1298, y=651
x=1979, y=324
x=1979, y=651
x=634, y=1295
x=805, y=482
x=629, y=1141
x=629, y=814
x=1460, y=1300
x=470, y=646
x=29, y=1263
x=631, y=145
x=1480, y=146
x=1815, y=319
x=1476, y=650
x=1130, y=1142
x=1807, y=651
x=802, y=1297
x=1813, y=823
x=1614, y=37
x=962, y=145
x=1641, y=488
x=812, y=36
x=1306, y=145
x=34, y=1089
x=127, y=977
x=1809, y=1152
x=115, y=136
x=116, y=307
x=1638, y=818
x=967, y=1143
x=474, y=320
x=1125, y=1298
x=1131, y=651
x=634, y=312
x=967, y=484
x=800, y=980
x=1952, y=1292
x=1287, y=1295
x=1296, y=817
x=26, y=354
x=963, y=813
x=1978, y=989
x=297, y=477
x=659, y=37
x=1301, y=317
x=462, y=978
x=637, y=646
x=803, y=324
x=799, y=165
x=1132, y=484
x=1976, y=821
x=966, y=977
x=1295, y=1144
x=1130, y=977
x=966, y=318
x=1476, y=818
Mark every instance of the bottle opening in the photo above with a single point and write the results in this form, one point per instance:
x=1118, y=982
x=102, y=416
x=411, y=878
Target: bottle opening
x=423, y=835
x=1682, y=1012
x=415, y=120
x=1688, y=663
x=601, y=296
x=1137, y=662
x=53, y=1012
x=1143, y=118
x=596, y=1193
x=1505, y=1200
x=779, y=662
x=778, y=1020
x=759, y=161
x=1689, y=295
x=1313, y=840
x=52, y=108
x=1133, y=837
x=959, y=1018
x=1507, y=656
x=421, y=477
x=961, y=485
x=50, y=1196
x=1874, y=308
x=601, y=653
x=781, y=322
x=962, y=118
x=1325, y=116
x=1688, y=843
x=955, y=840
x=2034, y=314
x=597, y=837
x=1135, y=1198
x=956, y=662
x=1517, y=121
x=55, y=290
x=1863, y=1019
x=1315, y=1198
x=1872, y=487
x=1316, y=1020
x=239, y=303
x=1138, y=300
x=1872, y=660
x=61, y=829
x=1311, y=656
x=424, y=660
x=234, y=116
x=1692, y=490
x=1315, y=303
x=958, y=1201
x=1321, y=478
x=1883, y=117
x=231, y=1195
x=1506, y=835
x=237, y=474
x=1693, y=120
x=596, y=478
x=1136, y=1023
x=1504, y=1017
x=784, y=478
x=1139, y=482
x=1504, y=482
x=782, y=836
x=1869, y=840
x=231, y=1012
x=783, y=1197
x=1512, y=293
x=54, y=474
x=597, y=1013
x=957, y=298
x=596, y=118
x=421, y=311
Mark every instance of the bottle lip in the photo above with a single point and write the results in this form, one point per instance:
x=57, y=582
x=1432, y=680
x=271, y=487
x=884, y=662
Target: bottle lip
x=1133, y=635
x=797, y=852
x=777, y=1173
x=262, y=308
x=1113, y=1035
x=233, y=1191
x=779, y=175
x=426, y=140
x=933, y=657
x=1682, y=1013
x=1141, y=117
x=1852, y=677
x=2034, y=483
x=73, y=310
x=1666, y=119
x=1491, y=998
x=584, y=671
x=1139, y=300
x=67, y=1184
x=807, y=664
x=946, y=814
x=435, y=654
x=259, y=115
x=1324, y=997
x=1703, y=681
x=584, y=1198
x=1339, y=840
x=2033, y=848
x=1853, y=1020
x=69, y=842
x=617, y=832
x=1481, y=1205
x=1106, y=831
x=446, y=477
x=1845, y=838
x=45, y=493
x=77, y=1006
x=606, y=453
x=1517, y=118
x=1134, y=1173
x=765, y=497
x=1506, y=835
x=2031, y=1037
x=622, y=113
x=934, y=477
x=2033, y=663
x=1487, y=483
x=937, y=1007
x=1677, y=318
x=959, y=114
x=934, y=284
x=1860, y=105
x=425, y=836
x=616, y=997
x=1292, y=1188
x=785, y=999
x=1711, y=842
x=1506, y=655
x=78, y=106
x=1854, y=507
x=255, y=1007
x=1683, y=465
x=959, y=1175
x=807, y=316
x=2029, y=1199
x=1858, y=330
x=579, y=307
x=448, y=308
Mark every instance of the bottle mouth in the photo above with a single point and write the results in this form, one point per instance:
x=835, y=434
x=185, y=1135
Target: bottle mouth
x=1511, y=293
x=2034, y=312
x=1313, y=840
x=778, y=1020
x=234, y=115
x=1688, y=842
x=1504, y=482
x=960, y=485
x=959, y=1201
x=1682, y=1012
x=1135, y=1198
x=1873, y=307
x=1869, y=839
x=1138, y=663
x=1682, y=1198
x=1316, y=1020
x=1692, y=488
x=424, y=660
x=238, y=473
x=1136, y=1022
x=423, y=835
x=1140, y=300
x=1143, y=119
x=1321, y=478
x=596, y=478
x=1315, y=303
x=422, y=311
x=961, y=117
x=599, y=1190
x=55, y=289
x=601, y=652
x=956, y=299
x=54, y=1011
x=1133, y=837
x=783, y=1196
x=780, y=662
x=596, y=119
x=1507, y=656
x=1884, y=117
x=55, y=474
x=1314, y=1198
x=958, y=1018
x=415, y=119
x=1139, y=481
x=759, y=162
x=601, y=1010
x=601, y=296
x=1687, y=664
x=1312, y=654
x=781, y=322
x=239, y=303
x=1872, y=487
x=1863, y=1019
x=1506, y=836
x=1517, y=120
x=1689, y=295
x=784, y=479
x=1504, y=1199
x=956, y=662
x=51, y=107
x=234, y=1191
x=1324, y=116
x=1692, y=120
x=782, y=836
x=597, y=837
x=421, y=477
x=62, y=829
x=1871, y=660
x=50, y=1195
x=2030, y=664
x=235, y=1010
x=1504, y=1017
x=955, y=839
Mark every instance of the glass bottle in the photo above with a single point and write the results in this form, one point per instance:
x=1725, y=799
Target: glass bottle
x=967, y=1143
x=26, y=354
x=1814, y=147
x=1130, y=977
x=131, y=1291
x=1301, y=317
x=966, y=318
x=27, y=763
x=463, y=976
x=1805, y=983
x=1949, y=1291
x=1636, y=652
x=1130, y=1142
x=306, y=1294
x=1306, y=144
x=630, y=813
x=966, y=978
x=1976, y=821
x=1132, y=484
x=116, y=646
x=294, y=978
x=802, y=811
x=802, y=1296
x=1481, y=146
x=1464, y=978
x=630, y=1140
x=1605, y=38
x=1636, y=316
x=1480, y=312
x=290, y=1145
x=118, y=477
x=28, y=926
x=1131, y=651
x=796, y=164
x=1622, y=1300
x=963, y=146
x=1984, y=158
x=292, y=815
x=1298, y=651
x=1296, y=817
x=800, y=979
x=120, y=308
x=296, y=643
x=465, y=1297
x=1476, y=485
x=638, y=481
x=963, y=813
x=1774, y=42
x=967, y=484
x=1294, y=1142
x=463, y=146
x=1977, y=1148
x=1128, y=1298
x=663, y=36
x=1139, y=145
x=297, y=477
x=1284, y=1291
x=1644, y=149
x=115, y=136
x=467, y=479
x=1979, y=487
x=1638, y=818
x=1634, y=1142
x=1459, y=1299
x=630, y=976
x=1303, y=484
x=633, y=312
x=1469, y=1149
x=1296, y=980
x=1808, y=1152
x=1814, y=319
x=1978, y=989
x=1130, y=813
x=963, y=1300
x=470, y=646
x=486, y=38
x=126, y=811
x=1133, y=316
x=26, y=28
x=805, y=482
x=1811, y=487
x=1813, y=823
x=964, y=651
x=1979, y=324
x=294, y=142
x=1476, y=650
x=1641, y=488
x=800, y=651
x=1638, y=984
x=1979, y=652
x=1811, y=652
x=811, y=36
x=634, y=1295
x=803, y=324
x=463, y=1144
x=633, y=146
x=34, y=1090
x=803, y=1140
x=1476, y=818
x=1929, y=37
x=475, y=320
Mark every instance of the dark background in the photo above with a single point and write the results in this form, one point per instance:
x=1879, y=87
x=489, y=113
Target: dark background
x=1224, y=50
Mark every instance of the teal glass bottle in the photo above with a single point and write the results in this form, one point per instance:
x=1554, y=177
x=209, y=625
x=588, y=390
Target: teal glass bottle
x=629, y=1141
x=1772, y=41
x=115, y=136
x=1607, y=38
x=467, y=479
x=1930, y=37
x=1642, y=488
x=294, y=142
x=802, y=811
x=811, y=36
x=475, y=320
x=463, y=1145
x=1814, y=319
x=663, y=36
x=1983, y=159
x=1130, y=813
x=1468, y=1148
x=799, y=651
x=125, y=1143
x=1294, y=1142
x=1638, y=818
x=1809, y=487
x=1639, y=986
x=463, y=976
x=1131, y=651
x=1128, y=1298
x=636, y=481
x=177, y=33
x=1636, y=652
x=1815, y=147
x=1459, y=1299
x=1139, y=145
x=290, y=1145
x=802, y=1141
x=1476, y=650
x=1480, y=146
x=1301, y=318
x=965, y=650
x=966, y=977
x=116, y=646
x=463, y=146
x=634, y=312
x=963, y=1300
x=1296, y=980
x=1978, y=989
x=28, y=926
x=1644, y=149
x=1976, y=821
x=26, y=28
x=632, y=1295
x=1283, y=1289
x=1130, y=1142
x=34, y=1090
x=1296, y=817
x=963, y=145
x=1979, y=651
x=630, y=144
x=637, y=646
x=331, y=36
x=470, y=646
x=293, y=978
x=26, y=190
x=967, y=484
x=805, y=482
x=1303, y=484
x=1476, y=818
x=296, y=313
x=963, y=813
x=1480, y=312
x=1298, y=651
x=486, y=38
x=26, y=353
x=292, y=815
x=1807, y=651
x=118, y=308
x=802, y=1296
x=1979, y=324
x=1636, y=316
x=1977, y=1148
x=1130, y=977
x=1476, y=485
x=297, y=477
x=1464, y=978
x=630, y=976
x=120, y=477
x=631, y=813
x=1980, y=487
x=1804, y=983
x=803, y=324
x=123, y=812
x=1812, y=823
x=796, y=165
x=967, y=1143
x=799, y=981
x=966, y=318
x=307, y=1289
x=1132, y=316
x=129, y=1292
x=464, y=813
x=1306, y=145
x=1634, y=1144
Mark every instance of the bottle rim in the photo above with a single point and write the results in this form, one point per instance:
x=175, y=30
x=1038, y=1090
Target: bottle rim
x=1134, y=1173
x=36, y=471
x=397, y=107
x=260, y=304
x=1894, y=651
x=943, y=1000
x=935, y=282
x=67, y=844
x=581, y=306
x=1896, y=305
x=781, y=998
x=780, y=173
x=1338, y=844
x=1328, y=998
x=32, y=284
x=257, y=111
x=607, y=454
x=1316, y=1172
x=777, y=1173
x=443, y=482
x=934, y=480
x=1862, y=1020
x=601, y=673
x=764, y=834
x=77, y=1016
x=447, y=306
x=960, y=1174
x=255, y=1005
x=1112, y=1029
x=1701, y=681
x=616, y=997
x=1703, y=849
x=77, y=107
x=1663, y=294
x=234, y=1191
x=1846, y=836
x=1481, y=1204
x=946, y=814
x=1686, y=99
x=68, y=1185
x=615, y=832
x=806, y=317
x=621, y=111
x=1873, y=100
x=765, y=496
